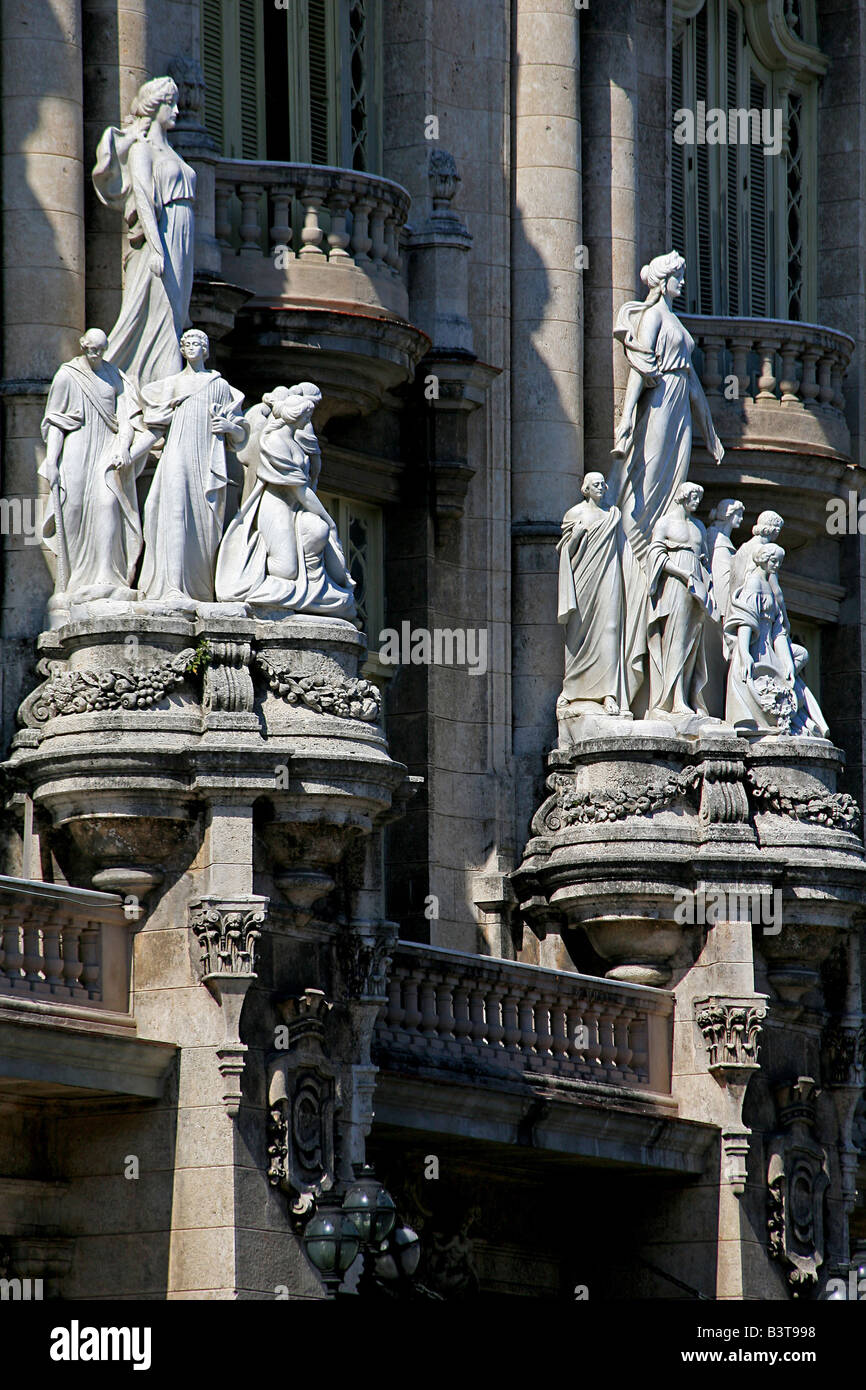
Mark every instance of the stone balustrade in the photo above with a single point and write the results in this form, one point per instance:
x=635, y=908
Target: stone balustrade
x=448, y=1009
x=775, y=361
x=63, y=944
x=304, y=230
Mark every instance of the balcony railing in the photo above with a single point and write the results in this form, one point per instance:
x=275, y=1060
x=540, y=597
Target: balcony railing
x=65, y=945
x=774, y=361
x=498, y=1017
x=296, y=231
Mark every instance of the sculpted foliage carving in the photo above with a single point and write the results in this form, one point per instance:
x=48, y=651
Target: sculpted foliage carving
x=80, y=692
x=348, y=699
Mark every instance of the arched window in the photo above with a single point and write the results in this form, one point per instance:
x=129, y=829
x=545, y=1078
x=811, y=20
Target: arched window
x=300, y=82
x=743, y=207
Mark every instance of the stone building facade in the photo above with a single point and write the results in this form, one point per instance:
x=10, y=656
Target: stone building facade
x=262, y=921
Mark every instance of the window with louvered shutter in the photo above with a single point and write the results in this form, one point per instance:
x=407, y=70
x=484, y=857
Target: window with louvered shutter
x=212, y=63
x=321, y=143
x=249, y=46
x=745, y=220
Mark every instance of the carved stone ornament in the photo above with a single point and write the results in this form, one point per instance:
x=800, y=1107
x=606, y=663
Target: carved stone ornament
x=348, y=699
x=301, y=1104
x=844, y=1053
x=82, y=692
x=567, y=806
x=228, y=685
x=798, y=1179
x=365, y=959
x=227, y=933
x=732, y=1031
x=836, y=809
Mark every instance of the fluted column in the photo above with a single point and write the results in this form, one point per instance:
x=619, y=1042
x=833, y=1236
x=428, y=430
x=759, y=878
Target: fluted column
x=546, y=404
x=610, y=214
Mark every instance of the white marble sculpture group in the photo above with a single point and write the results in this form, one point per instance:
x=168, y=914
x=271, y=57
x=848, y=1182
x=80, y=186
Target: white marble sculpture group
x=663, y=619
x=143, y=392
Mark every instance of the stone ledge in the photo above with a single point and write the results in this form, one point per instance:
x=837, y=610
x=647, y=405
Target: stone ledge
x=48, y=1053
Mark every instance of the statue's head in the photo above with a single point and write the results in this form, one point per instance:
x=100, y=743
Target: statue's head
x=689, y=495
x=155, y=100
x=194, y=345
x=297, y=408
x=594, y=486
x=93, y=345
x=273, y=398
x=729, y=509
x=768, y=526
x=664, y=275
x=769, y=557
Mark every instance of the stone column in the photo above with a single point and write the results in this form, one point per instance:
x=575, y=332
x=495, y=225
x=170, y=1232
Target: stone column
x=42, y=282
x=546, y=402
x=609, y=108
x=115, y=65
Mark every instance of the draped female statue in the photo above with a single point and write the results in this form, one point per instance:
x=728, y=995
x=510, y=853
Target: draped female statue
x=654, y=439
x=602, y=604
x=138, y=172
x=766, y=694
x=185, y=510
x=282, y=551
x=681, y=602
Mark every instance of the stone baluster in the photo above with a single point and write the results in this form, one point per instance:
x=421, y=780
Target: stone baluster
x=767, y=349
x=574, y=1023
x=412, y=1013
x=788, y=383
x=607, y=1036
x=826, y=391
x=639, y=1034
x=446, y=1009
x=622, y=1036
x=251, y=227
x=837, y=371
x=429, y=1013
x=395, y=1013
x=511, y=1019
x=462, y=1020
x=494, y=1017
x=392, y=248
x=712, y=377
x=312, y=234
x=543, y=1031
x=222, y=215
x=558, y=1026
x=338, y=236
x=740, y=348
x=477, y=1022
x=90, y=973
x=31, y=957
x=809, y=384
x=361, y=240
x=12, y=952
x=72, y=962
x=377, y=234
x=593, y=1049
x=281, y=226
x=528, y=1034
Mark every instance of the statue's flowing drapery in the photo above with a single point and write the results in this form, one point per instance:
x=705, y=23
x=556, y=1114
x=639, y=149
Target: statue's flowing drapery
x=155, y=309
x=676, y=627
x=602, y=604
x=644, y=482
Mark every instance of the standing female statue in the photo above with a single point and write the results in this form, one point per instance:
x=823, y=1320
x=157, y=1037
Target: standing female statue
x=681, y=602
x=602, y=603
x=185, y=509
x=138, y=172
x=282, y=551
x=766, y=694
x=654, y=439
x=726, y=516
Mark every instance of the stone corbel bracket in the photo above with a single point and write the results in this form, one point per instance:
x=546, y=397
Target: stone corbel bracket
x=227, y=932
x=302, y=1100
x=732, y=1031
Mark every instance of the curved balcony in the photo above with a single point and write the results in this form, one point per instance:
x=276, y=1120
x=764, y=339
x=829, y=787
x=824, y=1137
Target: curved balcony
x=775, y=391
x=318, y=250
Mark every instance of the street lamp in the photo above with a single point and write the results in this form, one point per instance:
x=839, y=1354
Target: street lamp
x=369, y=1207
x=331, y=1241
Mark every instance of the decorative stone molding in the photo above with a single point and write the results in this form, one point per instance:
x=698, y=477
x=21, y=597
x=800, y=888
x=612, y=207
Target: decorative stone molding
x=302, y=1099
x=228, y=932
x=835, y=809
x=844, y=1051
x=797, y=1179
x=228, y=685
x=82, y=692
x=364, y=953
x=723, y=793
x=570, y=807
x=348, y=699
x=732, y=1031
